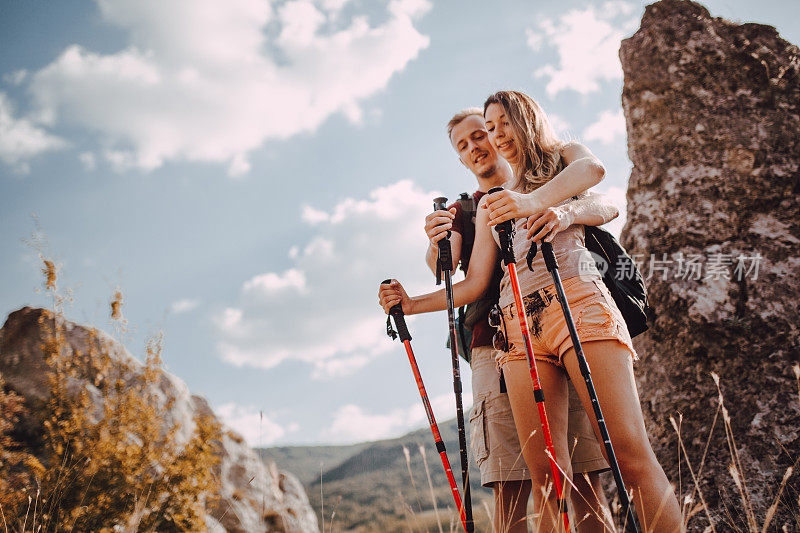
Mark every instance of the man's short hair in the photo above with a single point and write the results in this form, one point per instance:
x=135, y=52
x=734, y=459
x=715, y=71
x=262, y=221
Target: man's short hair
x=461, y=115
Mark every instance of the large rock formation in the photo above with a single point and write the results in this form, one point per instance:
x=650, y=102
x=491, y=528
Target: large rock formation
x=713, y=119
x=253, y=497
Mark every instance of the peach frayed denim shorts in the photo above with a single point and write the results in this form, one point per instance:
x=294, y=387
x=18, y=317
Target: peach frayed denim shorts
x=593, y=309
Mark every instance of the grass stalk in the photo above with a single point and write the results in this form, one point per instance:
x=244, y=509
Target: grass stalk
x=430, y=486
x=735, y=469
x=774, y=506
x=691, y=472
x=321, y=501
x=407, y=456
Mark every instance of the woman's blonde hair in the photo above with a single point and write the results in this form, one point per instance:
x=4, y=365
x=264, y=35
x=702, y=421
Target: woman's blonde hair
x=538, y=148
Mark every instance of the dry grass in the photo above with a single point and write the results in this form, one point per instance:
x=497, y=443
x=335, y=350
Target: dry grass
x=752, y=522
x=104, y=460
x=697, y=514
x=430, y=486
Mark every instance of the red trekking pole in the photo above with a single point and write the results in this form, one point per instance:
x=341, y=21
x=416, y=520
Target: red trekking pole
x=505, y=232
x=396, y=312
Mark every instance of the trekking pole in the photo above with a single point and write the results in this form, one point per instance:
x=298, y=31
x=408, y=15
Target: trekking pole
x=396, y=312
x=444, y=268
x=552, y=266
x=505, y=232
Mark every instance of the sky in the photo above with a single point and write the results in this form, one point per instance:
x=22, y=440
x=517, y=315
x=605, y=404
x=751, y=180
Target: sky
x=247, y=172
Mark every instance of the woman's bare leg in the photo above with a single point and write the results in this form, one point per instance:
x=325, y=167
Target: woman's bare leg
x=526, y=418
x=612, y=375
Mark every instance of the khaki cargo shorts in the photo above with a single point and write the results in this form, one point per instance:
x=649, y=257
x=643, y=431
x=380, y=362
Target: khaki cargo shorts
x=493, y=436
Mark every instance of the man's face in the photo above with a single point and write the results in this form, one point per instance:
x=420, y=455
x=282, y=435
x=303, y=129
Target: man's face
x=471, y=142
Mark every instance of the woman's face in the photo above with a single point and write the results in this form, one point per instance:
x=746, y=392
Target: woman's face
x=499, y=130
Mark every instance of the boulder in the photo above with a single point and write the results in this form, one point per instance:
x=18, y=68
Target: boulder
x=253, y=496
x=712, y=110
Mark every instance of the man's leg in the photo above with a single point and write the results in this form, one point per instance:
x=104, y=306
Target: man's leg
x=495, y=445
x=589, y=503
x=510, y=504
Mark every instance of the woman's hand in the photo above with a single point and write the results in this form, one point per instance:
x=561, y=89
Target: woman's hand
x=438, y=223
x=392, y=294
x=548, y=223
x=505, y=205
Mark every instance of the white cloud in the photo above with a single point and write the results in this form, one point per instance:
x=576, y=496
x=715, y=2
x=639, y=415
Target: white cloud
x=334, y=323
x=614, y=8
x=351, y=423
x=21, y=138
x=333, y=5
x=16, y=77
x=301, y=20
x=587, y=43
x=313, y=216
x=251, y=423
x=88, y=160
x=184, y=306
x=124, y=160
x=209, y=81
x=609, y=126
x=409, y=8
x=231, y=321
x=271, y=283
x=338, y=366
x=534, y=39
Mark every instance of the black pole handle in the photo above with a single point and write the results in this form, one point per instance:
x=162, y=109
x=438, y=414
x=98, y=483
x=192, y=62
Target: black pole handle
x=445, y=261
x=440, y=204
x=549, y=257
x=505, y=231
x=396, y=312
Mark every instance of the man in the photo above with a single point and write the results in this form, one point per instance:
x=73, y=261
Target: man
x=493, y=437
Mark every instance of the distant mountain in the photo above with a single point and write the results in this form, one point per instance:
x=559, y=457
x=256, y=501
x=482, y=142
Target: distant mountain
x=310, y=462
x=367, y=487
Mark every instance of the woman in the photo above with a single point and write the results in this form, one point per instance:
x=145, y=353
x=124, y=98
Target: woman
x=546, y=172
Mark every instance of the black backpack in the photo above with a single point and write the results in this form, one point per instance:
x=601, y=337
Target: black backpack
x=623, y=279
